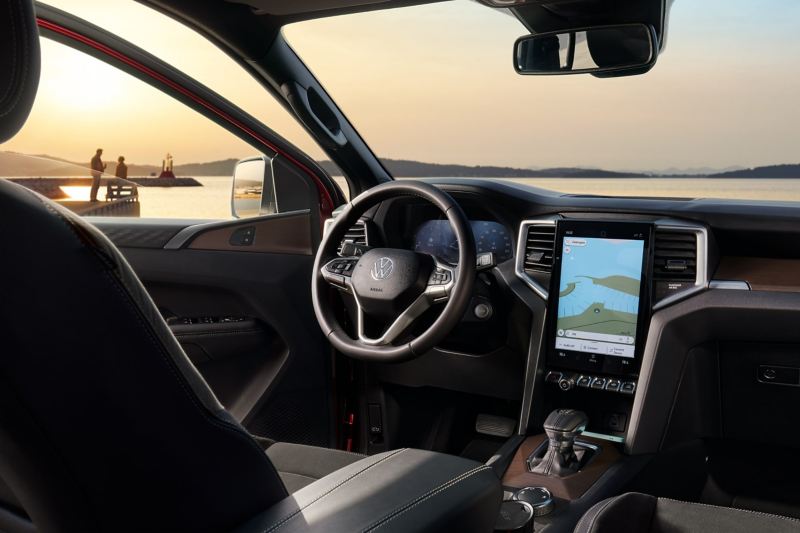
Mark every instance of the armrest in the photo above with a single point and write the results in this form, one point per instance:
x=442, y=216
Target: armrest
x=403, y=490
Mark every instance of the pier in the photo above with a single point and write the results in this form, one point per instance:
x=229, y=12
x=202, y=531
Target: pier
x=121, y=196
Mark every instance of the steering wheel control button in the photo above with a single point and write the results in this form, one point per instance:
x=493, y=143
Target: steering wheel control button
x=437, y=293
x=628, y=387
x=440, y=276
x=539, y=498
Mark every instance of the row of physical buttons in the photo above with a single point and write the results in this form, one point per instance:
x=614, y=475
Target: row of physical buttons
x=440, y=277
x=590, y=382
x=342, y=266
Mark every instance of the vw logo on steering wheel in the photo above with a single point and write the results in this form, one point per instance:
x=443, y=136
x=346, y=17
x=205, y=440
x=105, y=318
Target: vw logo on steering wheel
x=382, y=269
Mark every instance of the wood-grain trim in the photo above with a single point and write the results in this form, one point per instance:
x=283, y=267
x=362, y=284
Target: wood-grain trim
x=762, y=273
x=568, y=488
x=280, y=235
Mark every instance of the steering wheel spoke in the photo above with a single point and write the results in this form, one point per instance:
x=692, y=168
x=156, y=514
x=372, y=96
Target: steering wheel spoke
x=440, y=284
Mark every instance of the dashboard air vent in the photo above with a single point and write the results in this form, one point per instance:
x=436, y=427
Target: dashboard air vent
x=356, y=234
x=675, y=256
x=539, y=247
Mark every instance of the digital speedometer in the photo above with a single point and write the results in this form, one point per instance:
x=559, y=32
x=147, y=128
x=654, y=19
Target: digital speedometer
x=436, y=237
x=492, y=237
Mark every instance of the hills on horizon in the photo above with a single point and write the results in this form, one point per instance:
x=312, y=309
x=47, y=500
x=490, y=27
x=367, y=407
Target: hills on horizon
x=16, y=164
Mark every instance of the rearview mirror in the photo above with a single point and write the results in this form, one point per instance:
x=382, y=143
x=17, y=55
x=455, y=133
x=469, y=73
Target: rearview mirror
x=253, y=190
x=587, y=50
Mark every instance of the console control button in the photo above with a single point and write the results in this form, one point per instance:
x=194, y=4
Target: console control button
x=628, y=387
x=613, y=385
x=584, y=381
x=599, y=383
x=616, y=422
x=566, y=383
x=539, y=497
x=553, y=377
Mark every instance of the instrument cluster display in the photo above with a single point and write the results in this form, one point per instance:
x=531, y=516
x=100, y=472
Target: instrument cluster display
x=436, y=237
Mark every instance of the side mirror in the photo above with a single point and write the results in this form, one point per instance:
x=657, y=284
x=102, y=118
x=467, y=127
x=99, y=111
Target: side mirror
x=253, y=190
x=619, y=48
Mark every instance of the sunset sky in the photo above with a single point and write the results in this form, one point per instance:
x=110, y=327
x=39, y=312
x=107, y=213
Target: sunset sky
x=435, y=83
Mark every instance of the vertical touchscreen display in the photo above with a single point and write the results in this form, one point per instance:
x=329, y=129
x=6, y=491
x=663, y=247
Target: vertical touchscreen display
x=598, y=299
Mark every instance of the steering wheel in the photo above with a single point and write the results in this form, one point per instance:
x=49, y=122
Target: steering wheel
x=393, y=286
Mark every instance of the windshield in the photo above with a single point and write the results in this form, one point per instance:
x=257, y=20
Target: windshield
x=716, y=117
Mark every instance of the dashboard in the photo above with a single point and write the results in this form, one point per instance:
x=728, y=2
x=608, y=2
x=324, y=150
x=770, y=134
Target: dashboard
x=619, y=307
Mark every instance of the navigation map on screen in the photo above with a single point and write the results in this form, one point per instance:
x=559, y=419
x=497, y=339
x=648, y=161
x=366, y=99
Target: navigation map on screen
x=598, y=303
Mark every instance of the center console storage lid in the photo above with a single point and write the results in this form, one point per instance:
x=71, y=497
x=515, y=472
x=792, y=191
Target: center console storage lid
x=404, y=490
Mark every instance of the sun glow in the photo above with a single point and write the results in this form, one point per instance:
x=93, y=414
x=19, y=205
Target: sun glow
x=76, y=193
x=81, y=81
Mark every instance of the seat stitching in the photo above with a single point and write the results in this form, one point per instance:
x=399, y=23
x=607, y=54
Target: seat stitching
x=339, y=484
x=748, y=511
x=335, y=450
x=430, y=494
x=209, y=333
x=298, y=475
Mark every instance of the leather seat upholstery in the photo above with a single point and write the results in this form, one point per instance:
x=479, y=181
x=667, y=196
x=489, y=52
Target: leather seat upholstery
x=19, y=64
x=102, y=415
x=105, y=425
x=299, y=465
x=403, y=490
x=641, y=513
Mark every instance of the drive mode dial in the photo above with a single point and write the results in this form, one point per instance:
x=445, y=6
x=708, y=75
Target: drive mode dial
x=566, y=383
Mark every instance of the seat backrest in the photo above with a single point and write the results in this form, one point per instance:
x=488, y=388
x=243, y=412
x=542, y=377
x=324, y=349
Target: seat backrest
x=105, y=425
x=19, y=63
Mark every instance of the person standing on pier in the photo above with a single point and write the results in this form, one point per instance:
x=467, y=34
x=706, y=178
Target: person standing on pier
x=122, y=168
x=98, y=167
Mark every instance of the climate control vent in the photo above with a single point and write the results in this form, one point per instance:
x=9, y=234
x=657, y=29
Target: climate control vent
x=356, y=234
x=539, y=248
x=675, y=256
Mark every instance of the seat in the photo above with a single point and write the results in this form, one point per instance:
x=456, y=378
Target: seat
x=641, y=513
x=105, y=425
x=299, y=465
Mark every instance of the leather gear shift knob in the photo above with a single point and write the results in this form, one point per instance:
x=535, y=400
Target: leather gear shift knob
x=562, y=426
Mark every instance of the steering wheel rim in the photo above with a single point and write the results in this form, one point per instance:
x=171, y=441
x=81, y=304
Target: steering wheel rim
x=457, y=295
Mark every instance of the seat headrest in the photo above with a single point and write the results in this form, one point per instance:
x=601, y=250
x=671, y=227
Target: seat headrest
x=19, y=64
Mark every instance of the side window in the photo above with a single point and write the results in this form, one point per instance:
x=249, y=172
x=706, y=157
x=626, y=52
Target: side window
x=103, y=143
x=194, y=55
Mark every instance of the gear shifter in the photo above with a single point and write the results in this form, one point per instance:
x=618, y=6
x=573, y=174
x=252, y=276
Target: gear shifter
x=562, y=426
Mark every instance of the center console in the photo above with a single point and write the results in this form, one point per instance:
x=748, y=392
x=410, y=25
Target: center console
x=599, y=279
x=598, y=312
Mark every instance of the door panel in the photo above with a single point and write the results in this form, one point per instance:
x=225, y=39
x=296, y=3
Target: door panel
x=244, y=318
